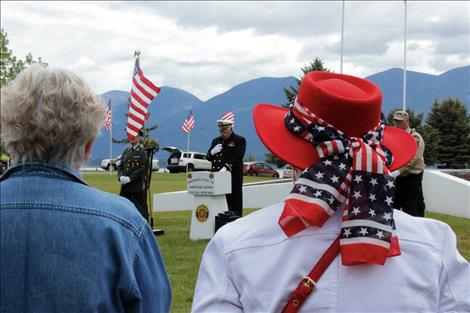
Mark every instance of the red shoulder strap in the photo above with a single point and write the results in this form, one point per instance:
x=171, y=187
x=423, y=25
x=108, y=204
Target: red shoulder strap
x=308, y=283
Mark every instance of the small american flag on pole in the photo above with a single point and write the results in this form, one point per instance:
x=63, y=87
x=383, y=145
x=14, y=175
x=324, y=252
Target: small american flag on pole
x=142, y=93
x=108, y=117
x=189, y=122
x=227, y=117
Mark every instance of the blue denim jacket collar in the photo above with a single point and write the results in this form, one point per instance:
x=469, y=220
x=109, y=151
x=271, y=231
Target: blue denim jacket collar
x=60, y=168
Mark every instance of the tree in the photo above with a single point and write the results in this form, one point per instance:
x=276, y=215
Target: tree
x=451, y=122
x=272, y=159
x=10, y=65
x=431, y=142
x=250, y=158
x=316, y=65
x=291, y=93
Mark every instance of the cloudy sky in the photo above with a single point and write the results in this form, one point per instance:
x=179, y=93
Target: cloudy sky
x=206, y=48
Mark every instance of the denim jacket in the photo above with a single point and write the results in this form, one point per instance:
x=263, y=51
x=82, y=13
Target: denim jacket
x=68, y=247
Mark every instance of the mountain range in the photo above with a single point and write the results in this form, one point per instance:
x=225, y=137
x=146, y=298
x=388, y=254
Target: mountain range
x=169, y=109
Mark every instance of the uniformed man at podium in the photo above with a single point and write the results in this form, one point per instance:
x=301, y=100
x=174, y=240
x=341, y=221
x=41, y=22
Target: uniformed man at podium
x=226, y=154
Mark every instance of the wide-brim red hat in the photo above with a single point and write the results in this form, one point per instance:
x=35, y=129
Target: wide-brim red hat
x=351, y=104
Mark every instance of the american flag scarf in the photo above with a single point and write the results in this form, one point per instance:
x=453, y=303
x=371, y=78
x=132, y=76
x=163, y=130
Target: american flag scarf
x=352, y=174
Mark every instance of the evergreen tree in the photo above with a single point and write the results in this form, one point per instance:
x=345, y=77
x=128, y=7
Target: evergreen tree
x=431, y=142
x=451, y=123
x=291, y=93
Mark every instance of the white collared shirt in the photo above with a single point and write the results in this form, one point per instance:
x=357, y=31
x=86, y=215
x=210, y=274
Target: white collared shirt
x=252, y=266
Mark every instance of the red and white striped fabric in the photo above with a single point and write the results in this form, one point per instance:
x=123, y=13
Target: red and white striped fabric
x=228, y=117
x=367, y=159
x=108, y=117
x=142, y=93
x=189, y=122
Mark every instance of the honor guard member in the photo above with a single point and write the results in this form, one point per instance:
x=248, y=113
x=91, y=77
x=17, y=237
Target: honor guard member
x=226, y=154
x=409, y=192
x=131, y=174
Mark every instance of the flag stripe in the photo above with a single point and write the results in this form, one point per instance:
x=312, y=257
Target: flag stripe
x=138, y=99
x=310, y=200
x=356, y=240
x=138, y=107
x=136, y=114
x=144, y=88
x=227, y=117
x=367, y=223
x=368, y=158
x=134, y=124
x=144, y=95
x=136, y=119
x=131, y=131
x=320, y=186
x=148, y=83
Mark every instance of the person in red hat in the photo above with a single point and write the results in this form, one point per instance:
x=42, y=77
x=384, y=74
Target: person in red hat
x=335, y=244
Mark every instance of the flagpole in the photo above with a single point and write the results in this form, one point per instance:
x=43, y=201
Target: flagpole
x=137, y=61
x=189, y=135
x=404, y=62
x=187, y=149
x=342, y=39
x=111, y=138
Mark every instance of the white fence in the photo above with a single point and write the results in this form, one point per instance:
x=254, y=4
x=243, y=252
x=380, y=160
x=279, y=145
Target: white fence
x=443, y=193
x=447, y=194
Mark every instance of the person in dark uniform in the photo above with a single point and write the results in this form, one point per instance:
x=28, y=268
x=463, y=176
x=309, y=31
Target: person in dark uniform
x=226, y=154
x=131, y=174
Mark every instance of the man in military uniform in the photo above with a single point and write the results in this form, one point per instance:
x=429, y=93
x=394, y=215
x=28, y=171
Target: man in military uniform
x=226, y=154
x=409, y=191
x=131, y=174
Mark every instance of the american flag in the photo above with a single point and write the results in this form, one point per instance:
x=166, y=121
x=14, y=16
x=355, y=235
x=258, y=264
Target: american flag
x=228, y=117
x=189, y=122
x=142, y=93
x=352, y=174
x=108, y=117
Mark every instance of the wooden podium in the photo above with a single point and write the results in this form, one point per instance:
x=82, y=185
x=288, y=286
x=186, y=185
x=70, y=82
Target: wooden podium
x=208, y=189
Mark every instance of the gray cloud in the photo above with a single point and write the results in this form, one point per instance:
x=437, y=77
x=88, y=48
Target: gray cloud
x=456, y=45
x=264, y=17
x=208, y=47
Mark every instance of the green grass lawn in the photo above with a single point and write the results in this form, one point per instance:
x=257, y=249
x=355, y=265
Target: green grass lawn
x=182, y=256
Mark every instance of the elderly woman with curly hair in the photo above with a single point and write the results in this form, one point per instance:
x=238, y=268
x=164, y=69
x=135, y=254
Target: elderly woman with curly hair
x=66, y=246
